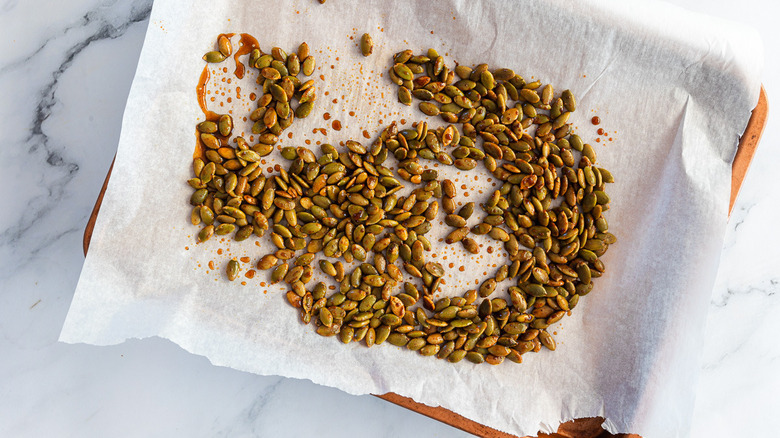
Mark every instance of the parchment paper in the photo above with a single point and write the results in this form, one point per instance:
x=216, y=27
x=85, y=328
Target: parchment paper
x=673, y=90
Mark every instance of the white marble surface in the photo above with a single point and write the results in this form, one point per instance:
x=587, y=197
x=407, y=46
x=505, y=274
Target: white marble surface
x=64, y=80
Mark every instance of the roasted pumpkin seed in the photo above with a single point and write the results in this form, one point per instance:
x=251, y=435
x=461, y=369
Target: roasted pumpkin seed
x=366, y=44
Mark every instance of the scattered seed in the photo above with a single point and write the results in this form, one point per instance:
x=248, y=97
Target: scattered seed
x=366, y=44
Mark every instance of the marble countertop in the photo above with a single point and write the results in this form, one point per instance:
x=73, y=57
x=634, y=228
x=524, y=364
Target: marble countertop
x=64, y=79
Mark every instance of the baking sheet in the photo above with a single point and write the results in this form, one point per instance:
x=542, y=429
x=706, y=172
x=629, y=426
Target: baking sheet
x=673, y=91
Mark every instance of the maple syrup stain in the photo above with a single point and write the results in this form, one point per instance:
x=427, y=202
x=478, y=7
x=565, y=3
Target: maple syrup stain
x=336, y=125
x=247, y=43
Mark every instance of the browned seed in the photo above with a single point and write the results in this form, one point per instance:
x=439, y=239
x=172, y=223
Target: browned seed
x=366, y=45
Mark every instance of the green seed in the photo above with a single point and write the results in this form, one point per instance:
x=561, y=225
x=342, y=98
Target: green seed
x=584, y=273
x=487, y=80
x=499, y=234
x=232, y=269
x=466, y=211
x=293, y=64
x=429, y=350
x=279, y=273
x=303, y=51
x=224, y=229
x=310, y=95
x=457, y=235
x=428, y=108
x=529, y=95
x=225, y=125
x=346, y=334
x=403, y=72
x=303, y=110
x=454, y=220
x=535, y=290
x=366, y=44
x=249, y=155
x=278, y=92
x=547, y=340
x=308, y=65
x=568, y=100
x=475, y=357
x=205, y=233
x=207, y=127
x=404, y=96
x=198, y=197
x=398, y=339
x=456, y=356
x=214, y=56
x=465, y=163
x=487, y=288
x=223, y=42
x=267, y=262
x=210, y=141
x=470, y=245
x=326, y=318
x=284, y=203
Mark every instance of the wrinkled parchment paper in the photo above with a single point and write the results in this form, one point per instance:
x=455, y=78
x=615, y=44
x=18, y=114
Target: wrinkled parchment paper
x=673, y=90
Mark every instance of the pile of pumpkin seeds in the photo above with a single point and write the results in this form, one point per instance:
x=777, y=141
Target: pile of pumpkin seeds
x=278, y=73
x=228, y=179
x=346, y=205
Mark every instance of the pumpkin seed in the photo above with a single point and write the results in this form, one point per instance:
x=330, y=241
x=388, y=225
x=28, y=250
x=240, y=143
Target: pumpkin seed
x=569, y=101
x=475, y=357
x=470, y=245
x=466, y=211
x=547, y=340
x=205, y=233
x=309, y=63
x=454, y=220
x=279, y=273
x=429, y=109
x=223, y=42
x=457, y=235
x=404, y=96
x=232, y=269
x=366, y=44
x=214, y=56
x=303, y=110
x=398, y=339
x=403, y=72
x=267, y=262
x=448, y=187
x=207, y=127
